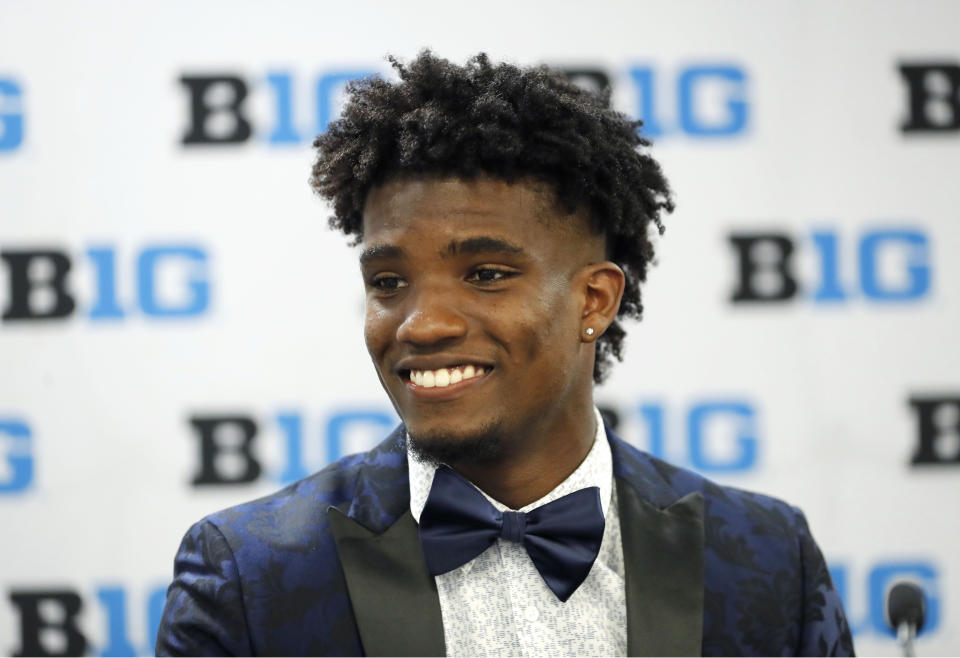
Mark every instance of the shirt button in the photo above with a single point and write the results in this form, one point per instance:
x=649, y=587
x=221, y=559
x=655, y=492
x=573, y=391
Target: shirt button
x=531, y=613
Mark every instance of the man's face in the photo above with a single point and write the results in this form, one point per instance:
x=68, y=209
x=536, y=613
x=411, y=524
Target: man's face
x=474, y=311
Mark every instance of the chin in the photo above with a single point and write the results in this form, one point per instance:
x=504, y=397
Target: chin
x=437, y=446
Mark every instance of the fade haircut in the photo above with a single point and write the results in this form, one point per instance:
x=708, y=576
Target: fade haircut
x=508, y=123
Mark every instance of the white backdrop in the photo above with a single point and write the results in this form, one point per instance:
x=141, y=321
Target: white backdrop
x=206, y=283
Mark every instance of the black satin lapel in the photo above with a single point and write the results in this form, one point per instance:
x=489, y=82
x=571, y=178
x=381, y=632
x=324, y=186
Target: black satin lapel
x=663, y=559
x=393, y=595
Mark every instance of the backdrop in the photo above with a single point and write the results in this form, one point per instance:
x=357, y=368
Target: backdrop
x=180, y=332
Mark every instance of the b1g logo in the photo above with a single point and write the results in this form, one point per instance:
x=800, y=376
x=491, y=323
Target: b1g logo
x=938, y=430
x=16, y=456
x=700, y=101
x=51, y=618
x=864, y=592
x=933, y=97
x=168, y=281
x=218, y=106
x=712, y=436
x=242, y=448
x=708, y=100
x=882, y=265
x=11, y=114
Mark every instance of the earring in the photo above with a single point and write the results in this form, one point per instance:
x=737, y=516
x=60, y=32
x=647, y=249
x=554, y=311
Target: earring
x=589, y=331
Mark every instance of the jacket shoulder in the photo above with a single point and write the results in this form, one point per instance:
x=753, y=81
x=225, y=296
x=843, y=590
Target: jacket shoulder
x=662, y=483
x=264, y=577
x=291, y=515
x=766, y=585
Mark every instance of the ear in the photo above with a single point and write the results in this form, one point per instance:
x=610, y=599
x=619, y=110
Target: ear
x=604, y=283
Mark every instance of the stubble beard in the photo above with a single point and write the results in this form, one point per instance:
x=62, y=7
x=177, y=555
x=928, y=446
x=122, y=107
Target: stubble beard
x=485, y=446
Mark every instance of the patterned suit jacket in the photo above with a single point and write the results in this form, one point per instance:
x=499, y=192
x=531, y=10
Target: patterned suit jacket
x=332, y=565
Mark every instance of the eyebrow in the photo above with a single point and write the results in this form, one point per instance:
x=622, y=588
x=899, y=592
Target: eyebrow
x=477, y=245
x=482, y=245
x=380, y=251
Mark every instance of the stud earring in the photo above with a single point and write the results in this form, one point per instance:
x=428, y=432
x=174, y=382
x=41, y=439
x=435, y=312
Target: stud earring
x=589, y=331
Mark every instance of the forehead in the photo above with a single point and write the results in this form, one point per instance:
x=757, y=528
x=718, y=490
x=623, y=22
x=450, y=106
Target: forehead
x=454, y=208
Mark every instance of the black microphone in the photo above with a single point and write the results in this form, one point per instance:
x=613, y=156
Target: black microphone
x=905, y=612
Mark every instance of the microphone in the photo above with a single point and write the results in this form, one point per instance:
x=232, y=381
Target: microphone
x=905, y=612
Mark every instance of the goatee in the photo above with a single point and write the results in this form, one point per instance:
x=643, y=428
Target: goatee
x=483, y=447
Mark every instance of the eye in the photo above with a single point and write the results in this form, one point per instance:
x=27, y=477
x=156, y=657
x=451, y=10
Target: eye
x=387, y=283
x=487, y=275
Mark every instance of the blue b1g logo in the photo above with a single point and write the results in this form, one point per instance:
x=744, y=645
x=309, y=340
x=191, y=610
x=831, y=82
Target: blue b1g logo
x=708, y=100
x=218, y=106
x=228, y=443
x=11, y=115
x=188, y=265
x=16, y=456
x=713, y=436
x=52, y=622
x=885, y=265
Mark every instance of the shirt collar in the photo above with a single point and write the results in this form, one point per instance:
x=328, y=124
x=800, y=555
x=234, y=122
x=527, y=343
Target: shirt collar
x=596, y=470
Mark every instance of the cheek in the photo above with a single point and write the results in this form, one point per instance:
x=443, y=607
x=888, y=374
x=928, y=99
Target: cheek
x=546, y=334
x=377, y=329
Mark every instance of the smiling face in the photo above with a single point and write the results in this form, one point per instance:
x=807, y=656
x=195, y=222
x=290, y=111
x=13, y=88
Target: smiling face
x=478, y=298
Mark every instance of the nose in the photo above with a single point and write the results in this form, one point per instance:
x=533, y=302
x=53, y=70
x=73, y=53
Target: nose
x=431, y=317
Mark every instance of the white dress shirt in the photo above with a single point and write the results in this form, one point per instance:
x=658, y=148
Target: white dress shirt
x=498, y=604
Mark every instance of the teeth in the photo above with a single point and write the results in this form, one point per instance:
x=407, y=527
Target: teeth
x=443, y=377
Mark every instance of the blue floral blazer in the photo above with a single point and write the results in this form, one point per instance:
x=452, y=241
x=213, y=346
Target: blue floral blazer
x=331, y=566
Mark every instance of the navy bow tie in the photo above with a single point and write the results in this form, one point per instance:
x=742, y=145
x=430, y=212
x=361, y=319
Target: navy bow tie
x=562, y=537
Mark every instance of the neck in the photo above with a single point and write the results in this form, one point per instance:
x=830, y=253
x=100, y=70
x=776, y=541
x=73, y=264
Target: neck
x=544, y=457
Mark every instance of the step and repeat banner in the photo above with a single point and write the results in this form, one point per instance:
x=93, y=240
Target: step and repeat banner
x=179, y=331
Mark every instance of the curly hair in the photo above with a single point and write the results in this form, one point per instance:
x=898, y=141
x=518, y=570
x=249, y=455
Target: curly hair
x=507, y=123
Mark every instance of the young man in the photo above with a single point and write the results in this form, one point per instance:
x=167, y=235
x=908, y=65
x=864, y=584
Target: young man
x=503, y=216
